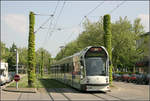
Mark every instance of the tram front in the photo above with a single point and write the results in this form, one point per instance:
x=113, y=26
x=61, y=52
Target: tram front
x=96, y=66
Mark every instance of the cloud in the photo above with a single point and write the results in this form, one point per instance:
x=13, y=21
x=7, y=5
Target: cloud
x=145, y=21
x=17, y=22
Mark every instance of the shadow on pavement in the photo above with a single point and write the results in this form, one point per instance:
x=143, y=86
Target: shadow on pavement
x=54, y=86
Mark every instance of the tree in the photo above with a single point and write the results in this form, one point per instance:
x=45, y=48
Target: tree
x=42, y=60
x=4, y=52
x=138, y=27
x=91, y=36
x=12, y=58
x=124, y=39
x=23, y=57
x=49, y=59
x=107, y=41
x=124, y=36
x=31, y=52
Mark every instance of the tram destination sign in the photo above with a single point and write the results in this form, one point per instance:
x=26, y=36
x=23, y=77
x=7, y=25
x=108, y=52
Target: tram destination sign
x=96, y=52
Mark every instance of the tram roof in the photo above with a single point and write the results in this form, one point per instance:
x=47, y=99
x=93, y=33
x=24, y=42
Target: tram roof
x=80, y=53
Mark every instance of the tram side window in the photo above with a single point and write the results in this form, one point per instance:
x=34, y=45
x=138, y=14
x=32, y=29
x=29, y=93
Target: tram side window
x=56, y=70
x=67, y=67
x=64, y=66
x=61, y=69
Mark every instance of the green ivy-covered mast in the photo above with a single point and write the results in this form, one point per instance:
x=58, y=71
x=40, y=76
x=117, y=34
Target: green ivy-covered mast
x=31, y=51
x=42, y=63
x=107, y=41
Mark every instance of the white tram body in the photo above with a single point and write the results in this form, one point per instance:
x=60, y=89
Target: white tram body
x=87, y=70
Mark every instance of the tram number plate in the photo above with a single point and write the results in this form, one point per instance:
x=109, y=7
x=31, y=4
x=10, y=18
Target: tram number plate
x=93, y=87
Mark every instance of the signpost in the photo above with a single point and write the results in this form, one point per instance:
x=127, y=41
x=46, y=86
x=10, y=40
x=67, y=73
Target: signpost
x=17, y=76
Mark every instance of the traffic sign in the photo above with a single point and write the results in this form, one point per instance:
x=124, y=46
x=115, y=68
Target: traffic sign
x=16, y=78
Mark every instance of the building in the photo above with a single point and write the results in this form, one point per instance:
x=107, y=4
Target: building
x=143, y=43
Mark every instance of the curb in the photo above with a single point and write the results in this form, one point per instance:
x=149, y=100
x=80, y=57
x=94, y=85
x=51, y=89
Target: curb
x=19, y=90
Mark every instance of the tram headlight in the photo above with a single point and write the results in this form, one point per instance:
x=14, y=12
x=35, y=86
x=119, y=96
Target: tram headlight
x=81, y=76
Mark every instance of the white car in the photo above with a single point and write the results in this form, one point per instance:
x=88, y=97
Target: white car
x=2, y=80
x=8, y=79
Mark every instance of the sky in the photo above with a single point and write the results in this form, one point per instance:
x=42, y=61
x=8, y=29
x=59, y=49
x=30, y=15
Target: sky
x=64, y=26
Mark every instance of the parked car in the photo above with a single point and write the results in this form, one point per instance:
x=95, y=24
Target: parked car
x=147, y=79
x=2, y=80
x=141, y=79
x=125, y=77
x=10, y=77
x=116, y=77
x=133, y=78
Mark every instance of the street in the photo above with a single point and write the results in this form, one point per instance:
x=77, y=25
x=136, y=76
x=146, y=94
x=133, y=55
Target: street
x=120, y=91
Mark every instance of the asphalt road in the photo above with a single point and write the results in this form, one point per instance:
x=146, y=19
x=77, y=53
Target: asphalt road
x=121, y=91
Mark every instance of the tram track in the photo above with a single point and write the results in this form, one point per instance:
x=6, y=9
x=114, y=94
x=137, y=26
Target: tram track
x=19, y=97
x=98, y=96
x=116, y=97
x=51, y=96
x=61, y=92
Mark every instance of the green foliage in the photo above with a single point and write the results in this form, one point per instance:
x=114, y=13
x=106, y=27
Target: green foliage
x=49, y=60
x=44, y=82
x=4, y=52
x=23, y=56
x=42, y=62
x=143, y=48
x=31, y=52
x=138, y=27
x=11, y=60
x=107, y=41
x=68, y=50
x=92, y=36
x=124, y=40
x=124, y=37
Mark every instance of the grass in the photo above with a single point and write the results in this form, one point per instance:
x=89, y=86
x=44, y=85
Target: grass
x=21, y=84
x=41, y=82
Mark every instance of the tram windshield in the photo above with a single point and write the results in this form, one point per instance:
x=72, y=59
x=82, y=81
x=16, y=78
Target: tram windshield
x=95, y=66
x=95, y=61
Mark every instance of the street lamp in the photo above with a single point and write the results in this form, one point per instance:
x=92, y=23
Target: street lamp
x=17, y=60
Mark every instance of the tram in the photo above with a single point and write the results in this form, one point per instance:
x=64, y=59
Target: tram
x=87, y=70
